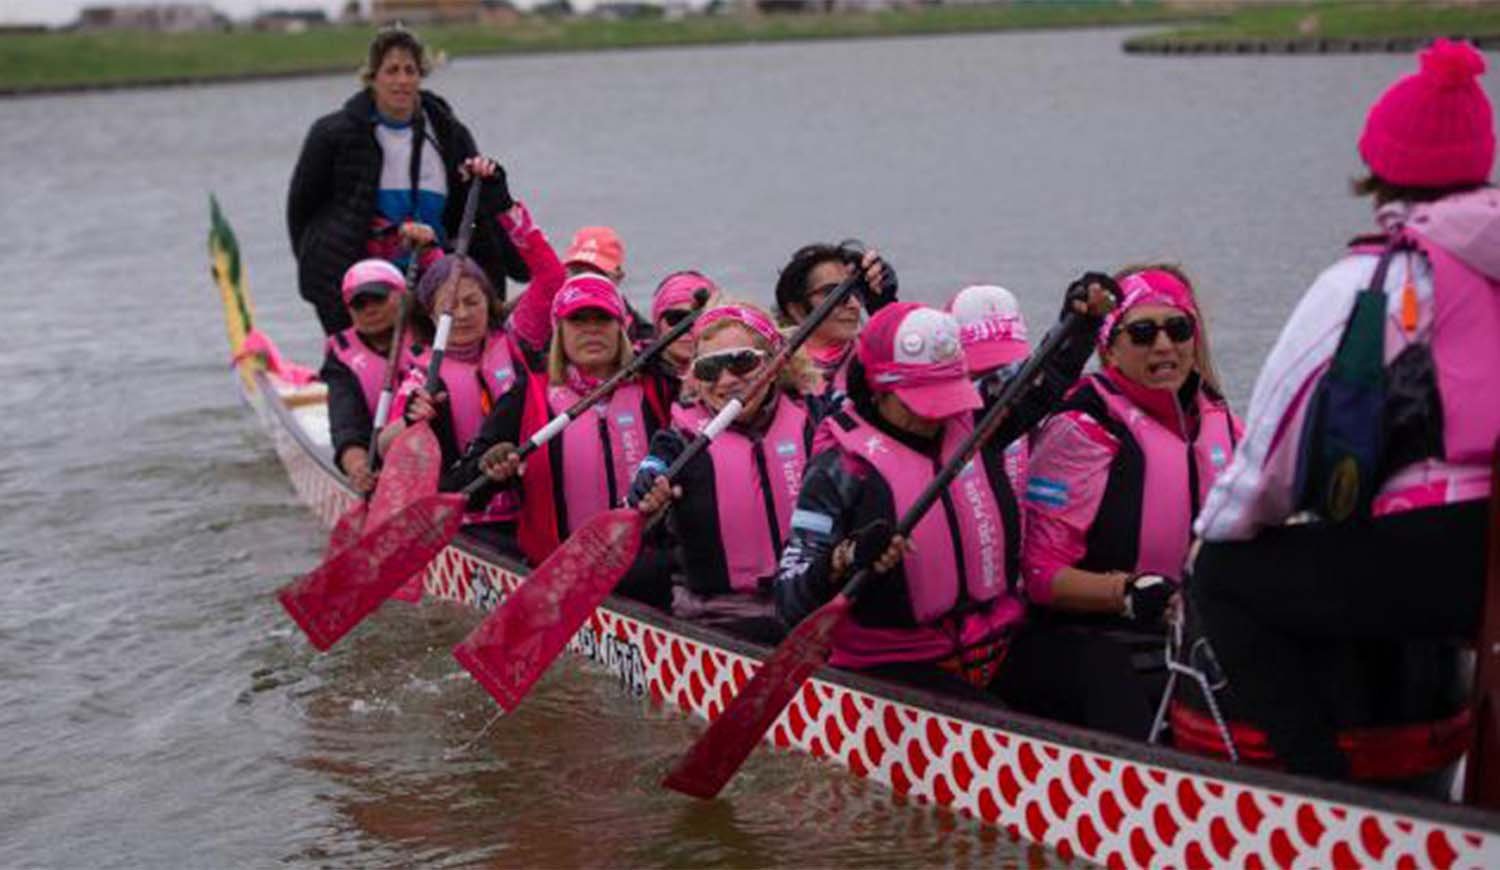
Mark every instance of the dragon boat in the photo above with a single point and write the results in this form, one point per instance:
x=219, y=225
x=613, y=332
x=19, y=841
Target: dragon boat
x=1082, y=794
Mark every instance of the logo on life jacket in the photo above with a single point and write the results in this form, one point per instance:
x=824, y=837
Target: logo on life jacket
x=1217, y=457
x=786, y=448
x=625, y=419
x=504, y=373
x=1047, y=491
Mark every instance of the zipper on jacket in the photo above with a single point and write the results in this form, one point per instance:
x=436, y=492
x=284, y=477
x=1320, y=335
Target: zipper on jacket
x=772, y=524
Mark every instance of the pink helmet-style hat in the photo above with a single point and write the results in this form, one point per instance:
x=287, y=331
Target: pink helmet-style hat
x=914, y=351
x=992, y=329
x=373, y=276
x=1433, y=127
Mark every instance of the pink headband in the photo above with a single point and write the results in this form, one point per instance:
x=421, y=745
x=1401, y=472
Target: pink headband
x=1151, y=287
x=1000, y=327
x=678, y=289
x=752, y=319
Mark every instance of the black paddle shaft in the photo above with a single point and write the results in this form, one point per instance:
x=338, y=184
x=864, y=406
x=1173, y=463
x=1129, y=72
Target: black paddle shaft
x=460, y=249
x=804, y=330
x=988, y=425
x=647, y=354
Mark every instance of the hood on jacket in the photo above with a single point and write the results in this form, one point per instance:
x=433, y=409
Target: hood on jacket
x=1466, y=225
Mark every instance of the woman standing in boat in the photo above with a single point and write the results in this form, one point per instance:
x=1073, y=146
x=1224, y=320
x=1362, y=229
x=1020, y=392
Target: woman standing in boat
x=588, y=467
x=1395, y=551
x=1114, y=482
x=945, y=609
x=380, y=178
x=812, y=273
x=354, y=363
x=733, y=502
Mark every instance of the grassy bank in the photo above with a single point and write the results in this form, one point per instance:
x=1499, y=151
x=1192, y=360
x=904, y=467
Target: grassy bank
x=50, y=61
x=1337, y=21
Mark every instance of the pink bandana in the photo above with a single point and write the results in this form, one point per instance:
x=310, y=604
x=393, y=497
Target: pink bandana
x=1151, y=287
x=752, y=319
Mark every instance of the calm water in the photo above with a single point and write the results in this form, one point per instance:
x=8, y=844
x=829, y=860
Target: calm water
x=156, y=709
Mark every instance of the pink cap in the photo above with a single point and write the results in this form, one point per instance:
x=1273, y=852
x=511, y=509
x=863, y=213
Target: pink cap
x=748, y=316
x=599, y=247
x=1151, y=287
x=372, y=276
x=588, y=291
x=914, y=351
x=991, y=327
x=677, y=289
x=1433, y=127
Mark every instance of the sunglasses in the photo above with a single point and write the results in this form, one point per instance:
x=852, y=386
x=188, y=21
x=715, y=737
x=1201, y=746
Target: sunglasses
x=816, y=295
x=365, y=300
x=1142, y=333
x=739, y=362
x=673, y=316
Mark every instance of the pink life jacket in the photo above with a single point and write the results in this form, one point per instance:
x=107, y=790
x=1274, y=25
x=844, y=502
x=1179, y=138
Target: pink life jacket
x=957, y=577
x=1459, y=236
x=755, y=488
x=367, y=365
x=473, y=388
x=1157, y=481
x=600, y=450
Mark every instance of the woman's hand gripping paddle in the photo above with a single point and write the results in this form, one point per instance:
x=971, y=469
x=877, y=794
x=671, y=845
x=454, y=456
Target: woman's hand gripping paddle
x=720, y=751
x=409, y=523
x=512, y=648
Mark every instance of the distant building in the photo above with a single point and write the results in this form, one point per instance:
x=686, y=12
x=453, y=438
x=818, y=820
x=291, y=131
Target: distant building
x=289, y=20
x=426, y=11
x=160, y=17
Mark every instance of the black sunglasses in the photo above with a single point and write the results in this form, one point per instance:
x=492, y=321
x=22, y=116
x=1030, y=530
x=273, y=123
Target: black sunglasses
x=365, y=300
x=740, y=362
x=673, y=316
x=1142, y=333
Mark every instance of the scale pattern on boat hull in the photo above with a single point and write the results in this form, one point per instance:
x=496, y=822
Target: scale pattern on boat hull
x=1113, y=811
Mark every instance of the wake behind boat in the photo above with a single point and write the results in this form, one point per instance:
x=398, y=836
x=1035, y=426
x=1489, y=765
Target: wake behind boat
x=1083, y=794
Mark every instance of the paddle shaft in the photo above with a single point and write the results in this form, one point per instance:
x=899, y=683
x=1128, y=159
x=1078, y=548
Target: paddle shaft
x=1482, y=775
x=460, y=250
x=392, y=358
x=597, y=394
x=988, y=425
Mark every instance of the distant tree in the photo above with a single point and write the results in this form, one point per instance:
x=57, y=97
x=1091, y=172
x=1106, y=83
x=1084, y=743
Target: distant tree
x=554, y=9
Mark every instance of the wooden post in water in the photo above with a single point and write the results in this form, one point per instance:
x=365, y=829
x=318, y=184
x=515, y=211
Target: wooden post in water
x=1482, y=772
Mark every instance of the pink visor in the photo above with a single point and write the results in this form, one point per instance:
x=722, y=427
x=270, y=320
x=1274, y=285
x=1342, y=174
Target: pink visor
x=587, y=291
x=372, y=276
x=914, y=351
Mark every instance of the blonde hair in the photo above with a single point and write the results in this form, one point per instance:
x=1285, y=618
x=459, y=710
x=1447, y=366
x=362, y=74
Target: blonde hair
x=557, y=359
x=1202, y=360
x=797, y=376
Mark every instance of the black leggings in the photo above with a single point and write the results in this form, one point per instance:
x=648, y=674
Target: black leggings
x=1268, y=603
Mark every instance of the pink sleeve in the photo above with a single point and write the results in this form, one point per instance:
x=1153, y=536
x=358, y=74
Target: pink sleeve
x=1066, y=476
x=531, y=320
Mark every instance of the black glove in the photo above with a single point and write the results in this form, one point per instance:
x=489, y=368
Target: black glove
x=1146, y=598
x=666, y=446
x=870, y=543
x=494, y=192
x=1078, y=291
x=874, y=298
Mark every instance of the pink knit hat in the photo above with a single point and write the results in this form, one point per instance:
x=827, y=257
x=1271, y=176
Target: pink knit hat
x=1433, y=127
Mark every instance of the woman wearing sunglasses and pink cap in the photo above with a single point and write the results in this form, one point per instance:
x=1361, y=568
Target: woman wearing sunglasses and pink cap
x=587, y=468
x=354, y=363
x=943, y=614
x=733, y=503
x=1115, y=480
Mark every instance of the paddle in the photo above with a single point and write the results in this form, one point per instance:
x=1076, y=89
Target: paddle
x=509, y=651
x=719, y=751
x=1482, y=775
x=404, y=515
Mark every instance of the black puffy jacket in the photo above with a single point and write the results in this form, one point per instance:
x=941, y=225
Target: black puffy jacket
x=331, y=202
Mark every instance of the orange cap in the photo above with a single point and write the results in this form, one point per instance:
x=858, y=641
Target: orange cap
x=599, y=247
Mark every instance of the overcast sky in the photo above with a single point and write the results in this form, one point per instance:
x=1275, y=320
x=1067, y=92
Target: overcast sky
x=63, y=11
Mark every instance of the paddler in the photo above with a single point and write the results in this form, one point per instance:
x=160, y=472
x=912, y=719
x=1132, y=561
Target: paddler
x=1395, y=549
x=1114, y=481
x=588, y=467
x=943, y=606
x=672, y=301
x=733, y=502
x=354, y=363
x=814, y=271
x=992, y=330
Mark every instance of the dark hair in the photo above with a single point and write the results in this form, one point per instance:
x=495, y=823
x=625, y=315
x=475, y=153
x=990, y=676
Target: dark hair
x=1384, y=191
x=437, y=274
x=387, y=38
x=791, y=285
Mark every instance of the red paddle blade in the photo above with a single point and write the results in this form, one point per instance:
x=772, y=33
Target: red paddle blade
x=346, y=530
x=346, y=588
x=512, y=648
x=411, y=471
x=717, y=755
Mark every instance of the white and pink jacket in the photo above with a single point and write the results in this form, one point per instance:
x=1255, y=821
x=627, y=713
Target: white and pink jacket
x=1116, y=478
x=1455, y=273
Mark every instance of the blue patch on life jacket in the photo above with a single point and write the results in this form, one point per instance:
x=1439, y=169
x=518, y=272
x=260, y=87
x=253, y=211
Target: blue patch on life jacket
x=811, y=521
x=786, y=448
x=1217, y=457
x=1047, y=491
x=626, y=419
x=505, y=373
